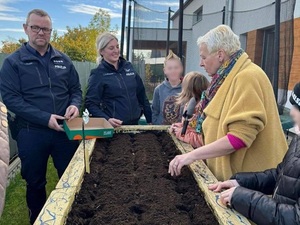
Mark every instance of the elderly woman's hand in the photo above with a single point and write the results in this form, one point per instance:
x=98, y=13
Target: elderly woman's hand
x=226, y=196
x=219, y=186
x=178, y=162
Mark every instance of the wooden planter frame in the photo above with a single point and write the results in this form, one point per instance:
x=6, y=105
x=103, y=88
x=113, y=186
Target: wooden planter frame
x=59, y=203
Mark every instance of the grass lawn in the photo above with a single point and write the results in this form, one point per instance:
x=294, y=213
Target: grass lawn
x=15, y=209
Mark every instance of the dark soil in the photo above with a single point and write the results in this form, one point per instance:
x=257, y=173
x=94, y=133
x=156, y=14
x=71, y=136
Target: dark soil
x=129, y=184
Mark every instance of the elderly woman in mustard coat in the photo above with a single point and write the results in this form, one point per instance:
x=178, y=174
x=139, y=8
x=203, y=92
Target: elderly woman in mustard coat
x=239, y=118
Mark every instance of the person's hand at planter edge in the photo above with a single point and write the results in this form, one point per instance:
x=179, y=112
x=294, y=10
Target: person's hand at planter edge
x=175, y=128
x=115, y=122
x=218, y=148
x=226, y=195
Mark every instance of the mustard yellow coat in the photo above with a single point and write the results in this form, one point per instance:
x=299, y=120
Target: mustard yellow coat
x=245, y=107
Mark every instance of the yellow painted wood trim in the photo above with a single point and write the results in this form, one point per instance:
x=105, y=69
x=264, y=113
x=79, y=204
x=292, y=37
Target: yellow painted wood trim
x=131, y=128
x=73, y=175
x=57, y=207
x=204, y=177
x=60, y=201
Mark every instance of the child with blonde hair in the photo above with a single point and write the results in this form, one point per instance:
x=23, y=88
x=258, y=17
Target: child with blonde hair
x=165, y=111
x=193, y=85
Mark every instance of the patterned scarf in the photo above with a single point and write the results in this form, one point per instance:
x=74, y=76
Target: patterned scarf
x=215, y=84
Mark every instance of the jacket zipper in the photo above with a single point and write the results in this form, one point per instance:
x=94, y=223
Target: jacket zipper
x=280, y=175
x=275, y=192
x=127, y=97
x=50, y=87
x=119, y=82
x=114, y=112
x=50, y=84
x=40, y=77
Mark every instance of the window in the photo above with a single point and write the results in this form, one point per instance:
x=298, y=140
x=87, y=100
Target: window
x=268, y=53
x=198, y=15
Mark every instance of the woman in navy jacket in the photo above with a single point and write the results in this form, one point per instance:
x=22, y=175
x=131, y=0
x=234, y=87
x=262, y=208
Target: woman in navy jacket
x=115, y=91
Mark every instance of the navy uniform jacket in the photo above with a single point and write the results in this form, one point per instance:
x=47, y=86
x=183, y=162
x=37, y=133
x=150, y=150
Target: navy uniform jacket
x=117, y=94
x=33, y=91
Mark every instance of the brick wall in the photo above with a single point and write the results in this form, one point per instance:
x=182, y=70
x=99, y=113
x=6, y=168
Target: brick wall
x=255, y=45
x=255, y=49
x=295, y=71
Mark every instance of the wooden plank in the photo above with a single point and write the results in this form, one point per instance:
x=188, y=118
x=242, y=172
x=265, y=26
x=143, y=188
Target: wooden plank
x=137, y=128
x=73, y=175
x=60, y=201
x=204, y=177
x=57, y=207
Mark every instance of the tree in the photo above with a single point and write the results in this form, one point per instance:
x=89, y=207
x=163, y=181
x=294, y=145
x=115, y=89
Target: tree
x=10, y=46
x=79, y=42
x=148, y=84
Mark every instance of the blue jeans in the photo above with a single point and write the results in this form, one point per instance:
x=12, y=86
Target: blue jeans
x=35, y=146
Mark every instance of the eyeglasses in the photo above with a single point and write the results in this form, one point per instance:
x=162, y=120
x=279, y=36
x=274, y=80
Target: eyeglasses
x=37, y=29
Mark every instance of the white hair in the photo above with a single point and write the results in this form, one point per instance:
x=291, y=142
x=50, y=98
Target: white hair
x=101, y=42
x=221, y=37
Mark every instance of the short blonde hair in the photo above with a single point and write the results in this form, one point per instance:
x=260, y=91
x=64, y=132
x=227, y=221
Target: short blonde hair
x=171, y=56
x=221, y=37
x=193, y=84
x=101, y=42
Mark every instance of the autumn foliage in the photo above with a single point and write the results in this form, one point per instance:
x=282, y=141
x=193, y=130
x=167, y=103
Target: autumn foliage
x=77, y=42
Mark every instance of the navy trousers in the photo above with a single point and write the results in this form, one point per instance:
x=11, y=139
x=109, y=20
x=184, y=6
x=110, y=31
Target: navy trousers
x=35, y=146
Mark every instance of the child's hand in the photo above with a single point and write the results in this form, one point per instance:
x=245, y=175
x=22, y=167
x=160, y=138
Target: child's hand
x=219, y=186
x=175, y=126
x=226, y=196
x=177, y=132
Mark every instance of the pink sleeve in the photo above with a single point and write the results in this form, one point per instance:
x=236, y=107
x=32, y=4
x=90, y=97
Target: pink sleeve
x=236, y=143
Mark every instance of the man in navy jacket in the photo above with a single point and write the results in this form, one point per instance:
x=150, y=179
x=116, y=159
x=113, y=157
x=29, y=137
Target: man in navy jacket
x=41, y=87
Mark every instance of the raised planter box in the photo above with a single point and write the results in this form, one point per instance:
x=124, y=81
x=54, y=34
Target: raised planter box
x=59, y=203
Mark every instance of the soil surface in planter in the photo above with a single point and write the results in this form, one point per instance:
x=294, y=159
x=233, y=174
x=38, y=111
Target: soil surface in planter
x=129, y=184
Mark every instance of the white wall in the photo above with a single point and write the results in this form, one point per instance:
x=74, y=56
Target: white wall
x=252, y=20
x=260, y=17
x=288, y=104
x=200, y=28
x=297, y=9
x=260, y=14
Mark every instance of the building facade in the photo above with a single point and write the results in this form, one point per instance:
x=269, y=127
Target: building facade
x=254, y=22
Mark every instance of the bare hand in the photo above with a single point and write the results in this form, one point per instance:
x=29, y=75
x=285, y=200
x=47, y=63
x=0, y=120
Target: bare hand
x=175, y=127
x=219, y=186
x=177, y=132
x=226, y=196
x=52, y=124
x=178, y=162
x=115, y=122
x=71, y=112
